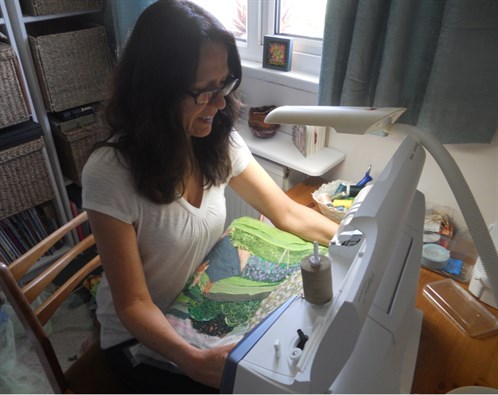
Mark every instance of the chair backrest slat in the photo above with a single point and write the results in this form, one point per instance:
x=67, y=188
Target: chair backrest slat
x=47, y=309
x=21, y=299
x=21, y=265
x=36, y=286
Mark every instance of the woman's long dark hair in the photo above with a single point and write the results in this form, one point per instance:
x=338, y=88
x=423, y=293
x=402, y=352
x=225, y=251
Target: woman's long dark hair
x=157, y=67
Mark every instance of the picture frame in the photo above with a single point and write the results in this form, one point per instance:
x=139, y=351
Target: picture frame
x=277, y=53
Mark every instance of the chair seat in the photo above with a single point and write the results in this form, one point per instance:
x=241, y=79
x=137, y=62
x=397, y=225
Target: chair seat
x=91, y=374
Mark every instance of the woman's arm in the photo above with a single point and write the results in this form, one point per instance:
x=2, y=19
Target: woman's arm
x=117, y=246
x=257, y=188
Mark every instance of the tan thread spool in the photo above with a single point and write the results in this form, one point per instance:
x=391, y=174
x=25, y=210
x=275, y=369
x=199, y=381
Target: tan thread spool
x=317, y=278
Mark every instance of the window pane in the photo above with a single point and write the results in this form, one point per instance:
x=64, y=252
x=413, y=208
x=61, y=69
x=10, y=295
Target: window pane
x=233, y=15
x=301, y=18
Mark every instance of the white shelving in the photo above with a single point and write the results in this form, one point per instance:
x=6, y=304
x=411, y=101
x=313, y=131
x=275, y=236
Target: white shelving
x=281, y=149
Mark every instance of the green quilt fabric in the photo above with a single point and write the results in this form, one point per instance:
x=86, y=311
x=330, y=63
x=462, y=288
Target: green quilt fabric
x=252, y=270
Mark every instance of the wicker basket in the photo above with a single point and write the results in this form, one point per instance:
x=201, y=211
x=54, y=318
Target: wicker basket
x=44, y=7
x=73, y=67
x=74, y=147
x=14, y=108
x=24, y=178
x=330, y=188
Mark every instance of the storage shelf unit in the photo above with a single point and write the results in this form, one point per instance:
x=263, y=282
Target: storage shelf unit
x=16, y=27
x=20, y=36
x=12, y=27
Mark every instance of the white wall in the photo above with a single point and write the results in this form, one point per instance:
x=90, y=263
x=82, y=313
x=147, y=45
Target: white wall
x=478, y=162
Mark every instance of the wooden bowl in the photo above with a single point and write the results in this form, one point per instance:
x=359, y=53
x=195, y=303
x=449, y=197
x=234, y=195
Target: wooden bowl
x=257, y=122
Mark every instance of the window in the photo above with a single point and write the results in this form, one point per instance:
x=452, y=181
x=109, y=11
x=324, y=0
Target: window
x=232, y=13
x=250, y=20
x=300, y=18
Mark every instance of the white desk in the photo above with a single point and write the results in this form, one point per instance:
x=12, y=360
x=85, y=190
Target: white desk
x=281, y=149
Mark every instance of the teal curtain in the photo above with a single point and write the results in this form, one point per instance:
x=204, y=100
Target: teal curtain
x=120, y=17
x=437, y=58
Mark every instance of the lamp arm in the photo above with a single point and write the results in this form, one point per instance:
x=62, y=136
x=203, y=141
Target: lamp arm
x=465, y=199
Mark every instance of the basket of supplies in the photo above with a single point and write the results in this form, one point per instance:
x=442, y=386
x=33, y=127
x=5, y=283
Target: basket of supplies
x=24, y=177
x=73, y=67
x=324, y=195
x=14, y=109
x=74, y=141
x=45, y=7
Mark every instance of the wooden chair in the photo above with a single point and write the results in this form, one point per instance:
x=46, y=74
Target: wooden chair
x=90, y=372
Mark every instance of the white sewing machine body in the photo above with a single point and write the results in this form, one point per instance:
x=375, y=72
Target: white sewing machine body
x=365, y=339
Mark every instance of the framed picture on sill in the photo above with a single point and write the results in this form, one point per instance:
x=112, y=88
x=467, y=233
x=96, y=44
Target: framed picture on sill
x=277, y=53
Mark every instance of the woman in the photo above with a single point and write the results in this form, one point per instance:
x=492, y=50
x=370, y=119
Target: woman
x=155, y=192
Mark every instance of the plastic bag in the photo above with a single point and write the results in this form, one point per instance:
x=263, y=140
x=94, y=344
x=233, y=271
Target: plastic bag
x=19, y=371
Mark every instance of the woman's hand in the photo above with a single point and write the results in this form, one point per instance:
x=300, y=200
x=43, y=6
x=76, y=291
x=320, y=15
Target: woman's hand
x=207, y=365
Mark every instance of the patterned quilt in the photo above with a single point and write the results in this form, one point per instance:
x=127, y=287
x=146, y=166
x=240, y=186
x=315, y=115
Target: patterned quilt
x=252, y=270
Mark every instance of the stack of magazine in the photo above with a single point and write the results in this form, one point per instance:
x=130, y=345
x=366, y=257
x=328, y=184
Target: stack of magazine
x=21, y=231
x=309, y=139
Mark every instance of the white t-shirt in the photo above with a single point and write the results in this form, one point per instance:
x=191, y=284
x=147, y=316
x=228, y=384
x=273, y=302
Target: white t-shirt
x=172, y=238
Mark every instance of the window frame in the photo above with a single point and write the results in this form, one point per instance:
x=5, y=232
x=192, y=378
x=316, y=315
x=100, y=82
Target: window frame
x=306, y=57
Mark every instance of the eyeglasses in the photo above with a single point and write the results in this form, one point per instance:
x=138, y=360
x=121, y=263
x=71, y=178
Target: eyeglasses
x=205, y=96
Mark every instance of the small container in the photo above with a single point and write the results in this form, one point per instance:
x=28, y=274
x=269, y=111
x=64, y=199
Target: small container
x=435, y=256
x=257, y=122
x=461, y=308
x=463, y=256
x=328, y=210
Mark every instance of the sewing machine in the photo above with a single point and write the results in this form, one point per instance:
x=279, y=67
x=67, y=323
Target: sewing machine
x=366, y=338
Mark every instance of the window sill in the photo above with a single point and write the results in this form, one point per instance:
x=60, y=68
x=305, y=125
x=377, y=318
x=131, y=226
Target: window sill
x=292, y=79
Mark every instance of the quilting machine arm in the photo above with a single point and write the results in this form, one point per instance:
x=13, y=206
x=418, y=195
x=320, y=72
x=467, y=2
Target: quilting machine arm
x=362, y=120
